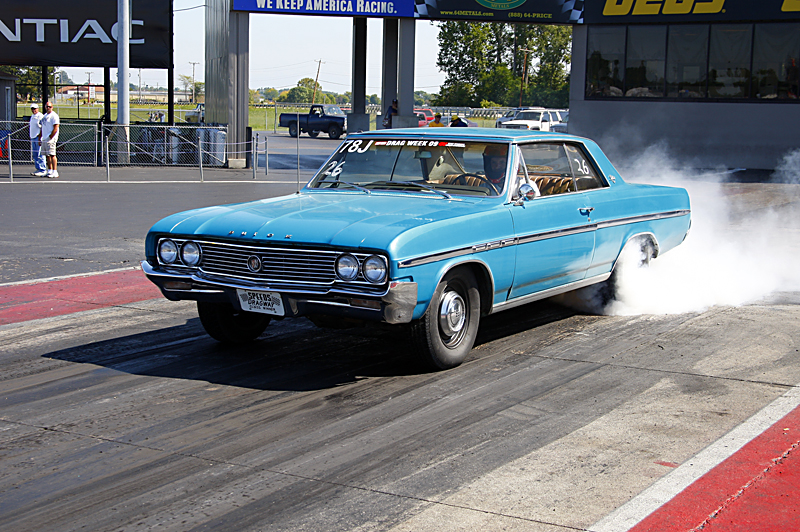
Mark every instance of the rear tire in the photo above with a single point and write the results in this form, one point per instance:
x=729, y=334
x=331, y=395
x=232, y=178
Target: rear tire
x=334, y=131
x=293, y=129
x=227, y=325
x=444, y=336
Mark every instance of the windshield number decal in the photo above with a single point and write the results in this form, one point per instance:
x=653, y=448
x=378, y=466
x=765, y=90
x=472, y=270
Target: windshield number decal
x=354, y=146
x=334, y=169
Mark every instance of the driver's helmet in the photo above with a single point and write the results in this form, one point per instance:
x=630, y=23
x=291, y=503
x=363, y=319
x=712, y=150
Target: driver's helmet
x=495, y=158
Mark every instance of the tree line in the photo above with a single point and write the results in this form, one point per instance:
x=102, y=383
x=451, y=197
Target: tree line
x=490, y=64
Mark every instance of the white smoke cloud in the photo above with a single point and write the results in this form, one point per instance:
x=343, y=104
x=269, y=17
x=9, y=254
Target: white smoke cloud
x=743, y=246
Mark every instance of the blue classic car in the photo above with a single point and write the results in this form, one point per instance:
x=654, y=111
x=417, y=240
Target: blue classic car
x=430, y=228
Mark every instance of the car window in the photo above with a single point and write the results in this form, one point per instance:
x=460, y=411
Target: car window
x=472, y=168
x=333, y=110
x=586, y=177
x=549, y=167
x=529, y=115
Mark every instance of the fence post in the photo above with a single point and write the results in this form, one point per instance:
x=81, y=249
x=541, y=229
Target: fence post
x=254, y=144
x=275, y=122
x=107, y=157
x=200, y=153
x=266, y=155
x=10, y=164
x=95, y=151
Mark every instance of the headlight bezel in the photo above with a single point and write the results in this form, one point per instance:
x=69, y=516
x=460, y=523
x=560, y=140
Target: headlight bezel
x=199, y=254
x=353, y=265
x=383, y=268
x=161, y=254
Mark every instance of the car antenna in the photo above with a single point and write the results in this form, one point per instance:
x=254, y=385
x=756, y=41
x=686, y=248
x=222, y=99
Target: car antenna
x=298, y=151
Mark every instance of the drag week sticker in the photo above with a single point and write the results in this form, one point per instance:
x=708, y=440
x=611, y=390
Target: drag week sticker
x=422, y=143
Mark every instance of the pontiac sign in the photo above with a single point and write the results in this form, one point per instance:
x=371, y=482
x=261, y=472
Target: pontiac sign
x=58, y=33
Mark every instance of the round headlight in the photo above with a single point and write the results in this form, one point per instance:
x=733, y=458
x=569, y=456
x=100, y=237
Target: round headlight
x=190, y=253
x=375, y=269
x=167, y=251
x=347, y=267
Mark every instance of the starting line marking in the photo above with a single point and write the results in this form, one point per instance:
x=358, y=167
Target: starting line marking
x=70, y=276
x=665, y=489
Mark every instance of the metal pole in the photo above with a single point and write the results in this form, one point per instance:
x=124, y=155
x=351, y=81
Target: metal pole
x=266, y=155
x=10, y=165
x=298, y=151
x=200, y=154
x=123, y=62
x=275, y=122
x=107, y=157
x=254, y=143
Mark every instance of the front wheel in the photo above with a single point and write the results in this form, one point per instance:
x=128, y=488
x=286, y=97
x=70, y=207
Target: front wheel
x=444, y=336
x=334, y=131
x=227, y=325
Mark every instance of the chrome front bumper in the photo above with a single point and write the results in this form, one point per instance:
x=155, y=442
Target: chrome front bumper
x=396, y=305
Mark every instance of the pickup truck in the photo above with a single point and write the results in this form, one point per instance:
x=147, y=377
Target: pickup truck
x=327, y=118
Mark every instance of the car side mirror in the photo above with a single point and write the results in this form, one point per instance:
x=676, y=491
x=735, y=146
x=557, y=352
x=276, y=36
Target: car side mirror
x=526, y=193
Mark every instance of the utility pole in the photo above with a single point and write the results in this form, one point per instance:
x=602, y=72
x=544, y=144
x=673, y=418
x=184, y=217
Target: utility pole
x=314, y=94
x=193, y=63
x=88, y=87
x=523, y=80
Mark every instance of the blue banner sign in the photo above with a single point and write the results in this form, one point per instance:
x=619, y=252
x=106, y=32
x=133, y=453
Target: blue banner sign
x=350, y=8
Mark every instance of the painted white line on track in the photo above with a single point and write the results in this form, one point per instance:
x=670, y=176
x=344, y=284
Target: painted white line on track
x=206, y=182
x=71, y=276
x=665, y=489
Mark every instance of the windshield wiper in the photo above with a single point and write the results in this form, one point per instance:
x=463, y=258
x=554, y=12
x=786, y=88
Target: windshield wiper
x=359, y=187
x=416, y=184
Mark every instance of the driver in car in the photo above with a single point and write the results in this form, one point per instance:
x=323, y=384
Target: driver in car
x=495, y=160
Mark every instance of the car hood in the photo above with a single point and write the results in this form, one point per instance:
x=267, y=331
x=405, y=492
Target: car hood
x=351, y=220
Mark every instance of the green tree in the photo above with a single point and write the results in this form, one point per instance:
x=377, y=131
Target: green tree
x=29, y=80
x=498, y=62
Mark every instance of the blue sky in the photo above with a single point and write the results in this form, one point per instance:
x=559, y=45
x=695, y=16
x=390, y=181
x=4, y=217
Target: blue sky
x=286, y=48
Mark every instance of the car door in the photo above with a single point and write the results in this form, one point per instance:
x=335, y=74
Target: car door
x=555, y=236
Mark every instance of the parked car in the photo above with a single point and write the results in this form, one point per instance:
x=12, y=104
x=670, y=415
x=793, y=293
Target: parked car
x=422, y=119
x=427, y=112
x=512, y=113
x=561, y=127
x=196, y=115
x=538, y=120
x=431, y=229
x=328, y=119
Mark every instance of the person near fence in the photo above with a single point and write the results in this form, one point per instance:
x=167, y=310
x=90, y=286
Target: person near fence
x=49, y=138
x=390, y=112
x=456, y=121
x=35, y=130
x=437, y=121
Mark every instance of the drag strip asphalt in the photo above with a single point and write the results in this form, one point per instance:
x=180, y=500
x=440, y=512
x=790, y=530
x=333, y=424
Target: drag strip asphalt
x=130, y=417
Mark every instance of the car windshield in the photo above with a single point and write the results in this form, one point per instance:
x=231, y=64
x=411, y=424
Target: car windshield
x=333, y=110
x=436, y=167
x=529, y=115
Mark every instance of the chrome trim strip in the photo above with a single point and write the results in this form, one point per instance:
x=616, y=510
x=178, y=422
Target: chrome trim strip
x=643, y=218
x=149, y=271
x=535, y=237
x=530, y=298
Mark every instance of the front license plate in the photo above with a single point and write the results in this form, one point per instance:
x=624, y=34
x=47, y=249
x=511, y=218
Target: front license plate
x=263, y=302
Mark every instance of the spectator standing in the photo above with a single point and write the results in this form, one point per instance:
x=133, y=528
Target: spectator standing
x=35, y=130
x=455, y=121
x=49, y=138
x=390, y=111
x=437, y=121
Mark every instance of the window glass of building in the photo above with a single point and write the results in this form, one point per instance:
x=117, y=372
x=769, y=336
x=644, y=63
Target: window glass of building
x=645, y=60
x=687, y=61
x=776, y=59
x=729, y=61
x=605, y=60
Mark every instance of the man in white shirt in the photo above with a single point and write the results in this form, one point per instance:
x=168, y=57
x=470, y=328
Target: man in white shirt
x=36, y=148
x=49, y=136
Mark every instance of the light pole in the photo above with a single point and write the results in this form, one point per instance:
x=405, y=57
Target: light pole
x=193, y=63
x=88, y=87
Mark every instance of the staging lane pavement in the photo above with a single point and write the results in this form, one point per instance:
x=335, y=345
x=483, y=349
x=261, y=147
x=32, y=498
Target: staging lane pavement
x=129, y=416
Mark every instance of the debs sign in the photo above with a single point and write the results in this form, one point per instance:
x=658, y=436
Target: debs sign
x=678, y=11
x=58, y=33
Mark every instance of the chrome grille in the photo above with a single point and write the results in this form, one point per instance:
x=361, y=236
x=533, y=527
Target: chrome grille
x=278, y=265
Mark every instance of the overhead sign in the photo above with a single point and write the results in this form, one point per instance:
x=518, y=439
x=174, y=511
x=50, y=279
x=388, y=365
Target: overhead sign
x=59, y=33
x=546, y=11
x=350, y=8
x=681, y=11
